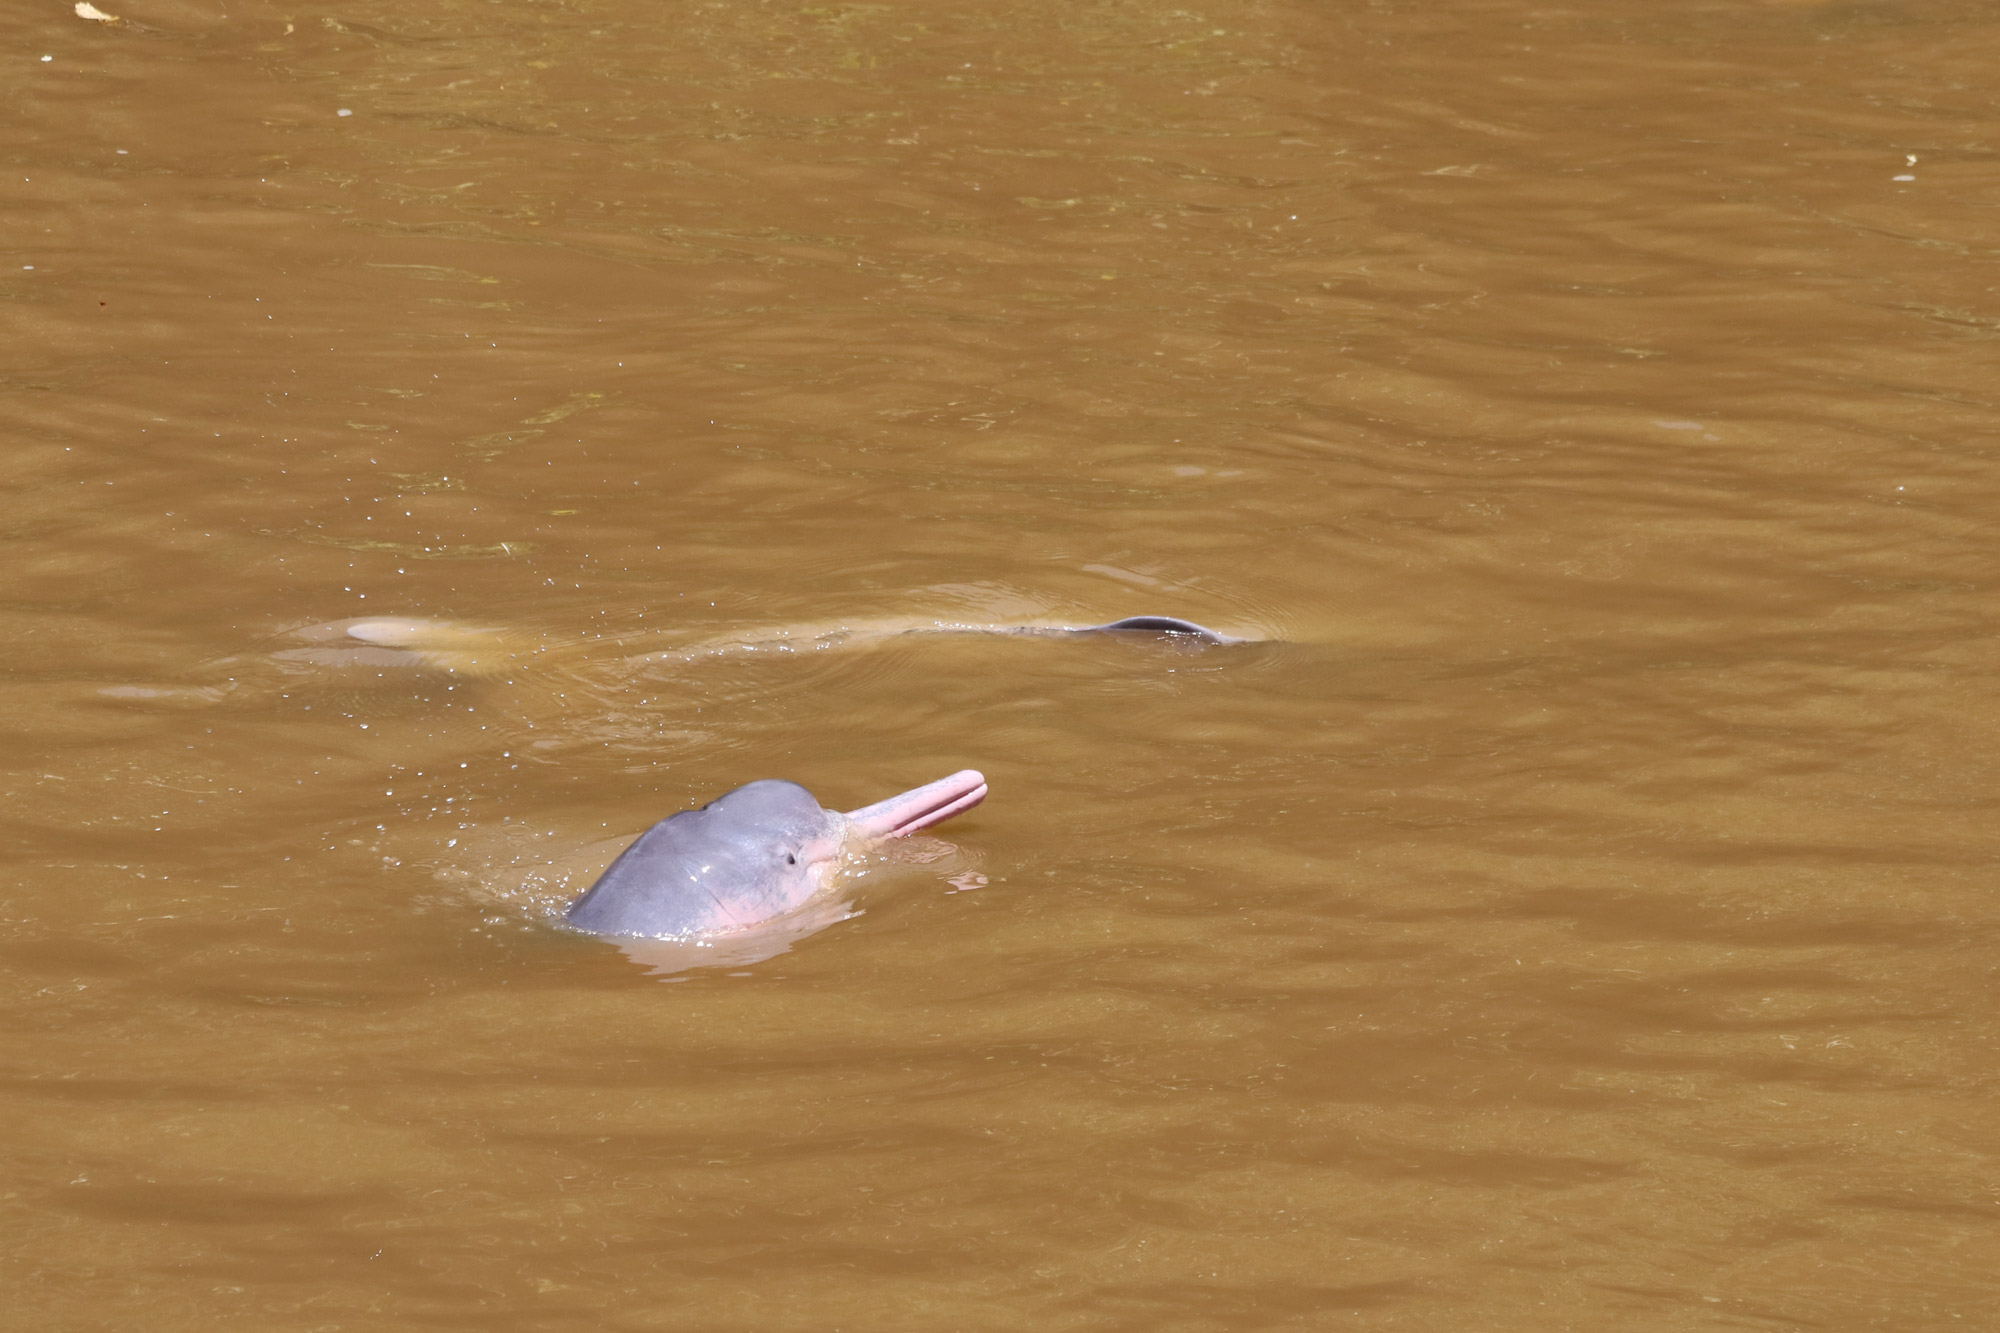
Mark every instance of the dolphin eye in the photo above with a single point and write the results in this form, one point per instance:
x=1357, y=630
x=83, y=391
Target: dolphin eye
x=791, y=860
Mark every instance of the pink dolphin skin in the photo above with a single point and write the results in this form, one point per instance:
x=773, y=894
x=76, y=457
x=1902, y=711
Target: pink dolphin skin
x=920, y=807
x=749, y=856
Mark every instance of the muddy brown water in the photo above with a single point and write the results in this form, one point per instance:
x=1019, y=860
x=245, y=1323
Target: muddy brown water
x=1579, y=914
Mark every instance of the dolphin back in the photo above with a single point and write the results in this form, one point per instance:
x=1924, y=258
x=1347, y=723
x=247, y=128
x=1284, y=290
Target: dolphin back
x=1161, y=625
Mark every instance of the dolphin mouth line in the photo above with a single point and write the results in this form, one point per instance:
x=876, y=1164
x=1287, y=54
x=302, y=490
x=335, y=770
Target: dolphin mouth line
x=920, y=807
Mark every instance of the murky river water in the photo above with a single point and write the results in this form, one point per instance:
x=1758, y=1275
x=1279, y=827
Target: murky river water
x=1577, y=912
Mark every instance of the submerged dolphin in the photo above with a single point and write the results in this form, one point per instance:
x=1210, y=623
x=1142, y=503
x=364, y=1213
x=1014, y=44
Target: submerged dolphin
x=385, y=645
x=380, y=641
x=750, y=856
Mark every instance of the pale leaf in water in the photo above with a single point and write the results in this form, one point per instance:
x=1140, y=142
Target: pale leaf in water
x=86, y=10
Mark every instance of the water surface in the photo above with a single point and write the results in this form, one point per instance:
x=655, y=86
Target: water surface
x=1576, y=913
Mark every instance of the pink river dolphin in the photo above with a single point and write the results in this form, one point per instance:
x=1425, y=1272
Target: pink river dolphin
x=768, y=848
x=750, y=856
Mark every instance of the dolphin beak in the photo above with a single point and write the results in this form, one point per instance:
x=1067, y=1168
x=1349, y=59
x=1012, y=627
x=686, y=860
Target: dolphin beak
x=920, y=807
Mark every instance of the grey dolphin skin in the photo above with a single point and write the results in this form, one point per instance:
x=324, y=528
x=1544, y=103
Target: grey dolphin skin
x=1157, y=625
x=749, y=856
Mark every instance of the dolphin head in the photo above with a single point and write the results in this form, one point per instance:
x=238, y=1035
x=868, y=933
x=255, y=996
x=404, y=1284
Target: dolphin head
x=749, y=856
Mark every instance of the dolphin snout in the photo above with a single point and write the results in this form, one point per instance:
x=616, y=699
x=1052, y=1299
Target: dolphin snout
x=920, y=807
